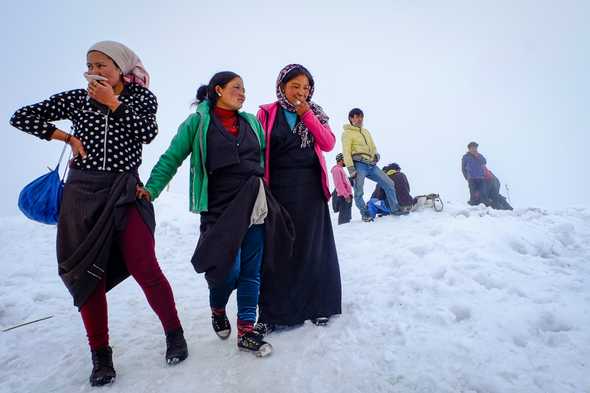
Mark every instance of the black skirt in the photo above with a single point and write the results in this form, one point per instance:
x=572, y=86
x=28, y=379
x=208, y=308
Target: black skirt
x=307, y=285
x=93, y=212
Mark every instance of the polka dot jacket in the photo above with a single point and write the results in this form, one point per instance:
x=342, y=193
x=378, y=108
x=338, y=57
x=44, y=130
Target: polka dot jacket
x=112, y=140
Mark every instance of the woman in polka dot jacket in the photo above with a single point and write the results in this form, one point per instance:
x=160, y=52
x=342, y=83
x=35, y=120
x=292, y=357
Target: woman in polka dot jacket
x=104, y=233
x=109, y=129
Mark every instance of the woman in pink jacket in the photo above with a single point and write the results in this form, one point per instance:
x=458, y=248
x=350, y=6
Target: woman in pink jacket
x=307, y=286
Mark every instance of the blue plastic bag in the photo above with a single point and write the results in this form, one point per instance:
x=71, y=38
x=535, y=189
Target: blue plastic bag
x=40, y=200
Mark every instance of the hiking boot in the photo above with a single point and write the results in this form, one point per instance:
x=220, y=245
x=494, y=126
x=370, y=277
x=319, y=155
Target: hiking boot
x=221, y=325
x=264, y=328
x=253, y=342
x=320, y=321
x=176, y=348
x=102, y=367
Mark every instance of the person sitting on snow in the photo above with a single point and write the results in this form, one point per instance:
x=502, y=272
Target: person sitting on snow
x=494, y=199
x=402, y=187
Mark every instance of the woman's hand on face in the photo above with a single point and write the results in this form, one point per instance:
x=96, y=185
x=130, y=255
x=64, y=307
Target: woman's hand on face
x=142, y=193
x=77, y=148
x=103, y=93
x=301, y=107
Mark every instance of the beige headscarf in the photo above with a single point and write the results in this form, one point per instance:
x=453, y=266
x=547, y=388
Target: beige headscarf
x=129, y=63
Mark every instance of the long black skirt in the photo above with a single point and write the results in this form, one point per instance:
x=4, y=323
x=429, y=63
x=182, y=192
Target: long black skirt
x=307, y=285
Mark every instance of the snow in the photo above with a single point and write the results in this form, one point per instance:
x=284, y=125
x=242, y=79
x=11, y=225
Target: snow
x=467, y=300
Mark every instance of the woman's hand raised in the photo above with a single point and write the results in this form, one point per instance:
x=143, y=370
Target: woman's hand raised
x=103, y=93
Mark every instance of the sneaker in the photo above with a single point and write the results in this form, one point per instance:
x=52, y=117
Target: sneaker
x=102, y=367
x=253, y=342
x=264, y=328
x=176, y=348
x=320, y=321
x=221, y=325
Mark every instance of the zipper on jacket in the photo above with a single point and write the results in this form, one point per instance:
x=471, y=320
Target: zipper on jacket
x=363, y=135
x=106, y=129
x=191, y=191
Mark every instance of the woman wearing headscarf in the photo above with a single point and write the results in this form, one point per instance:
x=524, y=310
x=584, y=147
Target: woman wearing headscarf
x=305, y=286
x=239, y=219
x=104, y=233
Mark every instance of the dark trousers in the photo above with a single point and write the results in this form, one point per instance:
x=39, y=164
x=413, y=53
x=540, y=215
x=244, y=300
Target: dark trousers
x=138, y=249
x=477, y=191
x=344, y=211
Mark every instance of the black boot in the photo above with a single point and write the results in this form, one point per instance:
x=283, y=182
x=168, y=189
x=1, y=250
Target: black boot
x=320, y=321
x=264, y=328
x=221, y=325
x=176, y=348
x=254, y=342
x=102, y=367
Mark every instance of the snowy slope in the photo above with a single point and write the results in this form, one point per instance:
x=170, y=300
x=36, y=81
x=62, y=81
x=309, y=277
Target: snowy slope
x=468, y=300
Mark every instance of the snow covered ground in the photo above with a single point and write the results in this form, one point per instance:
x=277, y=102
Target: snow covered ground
x=467, y=300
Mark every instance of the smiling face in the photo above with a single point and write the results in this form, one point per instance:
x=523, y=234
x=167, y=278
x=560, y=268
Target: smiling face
x=232, y=96
x=297, y=89
x=100, y=64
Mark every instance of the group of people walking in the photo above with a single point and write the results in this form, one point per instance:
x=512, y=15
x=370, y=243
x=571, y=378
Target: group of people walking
x=259, y=183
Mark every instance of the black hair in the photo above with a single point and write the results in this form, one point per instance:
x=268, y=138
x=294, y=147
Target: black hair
x=474, y=144
x=295, y=72
x=355, y=112
x=207, y=92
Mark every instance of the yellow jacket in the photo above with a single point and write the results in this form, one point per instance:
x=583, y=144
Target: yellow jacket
x=357, y=142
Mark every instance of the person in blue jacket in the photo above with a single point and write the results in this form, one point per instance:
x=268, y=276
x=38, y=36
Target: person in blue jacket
x=473, y=168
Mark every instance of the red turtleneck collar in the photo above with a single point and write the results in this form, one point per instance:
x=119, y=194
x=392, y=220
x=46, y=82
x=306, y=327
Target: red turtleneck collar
x=228, y=118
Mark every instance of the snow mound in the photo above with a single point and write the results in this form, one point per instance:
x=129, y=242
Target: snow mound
x=467, y=300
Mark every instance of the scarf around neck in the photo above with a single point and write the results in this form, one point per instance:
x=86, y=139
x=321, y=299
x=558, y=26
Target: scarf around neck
x=300, y=128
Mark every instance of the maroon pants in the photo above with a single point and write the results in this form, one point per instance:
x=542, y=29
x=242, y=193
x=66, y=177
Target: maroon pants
x=138, y=249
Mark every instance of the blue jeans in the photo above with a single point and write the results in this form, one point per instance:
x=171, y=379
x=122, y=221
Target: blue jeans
x=376, y=206
x=245, y=276
x=374, y=173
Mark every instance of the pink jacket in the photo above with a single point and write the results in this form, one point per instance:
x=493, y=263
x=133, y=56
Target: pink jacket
x=323, y=137
x=343, y=187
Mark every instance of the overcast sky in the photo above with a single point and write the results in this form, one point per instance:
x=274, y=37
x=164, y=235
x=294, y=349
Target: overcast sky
x=429, y=75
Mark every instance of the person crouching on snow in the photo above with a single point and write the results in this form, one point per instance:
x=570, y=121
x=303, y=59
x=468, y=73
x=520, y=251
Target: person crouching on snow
x=402, y=187
x=104, y=233
x=226, y=188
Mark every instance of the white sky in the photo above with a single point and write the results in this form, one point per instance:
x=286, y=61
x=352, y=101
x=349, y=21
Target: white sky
x=429, y=75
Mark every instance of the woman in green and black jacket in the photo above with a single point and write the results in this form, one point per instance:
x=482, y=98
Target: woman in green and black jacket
x=226, y=170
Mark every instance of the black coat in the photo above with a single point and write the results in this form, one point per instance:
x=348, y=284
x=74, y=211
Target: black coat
x=219, y=243
x=93, y=210
x=402, y=190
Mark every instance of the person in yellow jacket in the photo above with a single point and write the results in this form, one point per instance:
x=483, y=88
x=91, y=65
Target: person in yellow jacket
x=360, y=158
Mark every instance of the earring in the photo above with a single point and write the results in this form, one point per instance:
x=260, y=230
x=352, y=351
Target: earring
x=219, y=94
